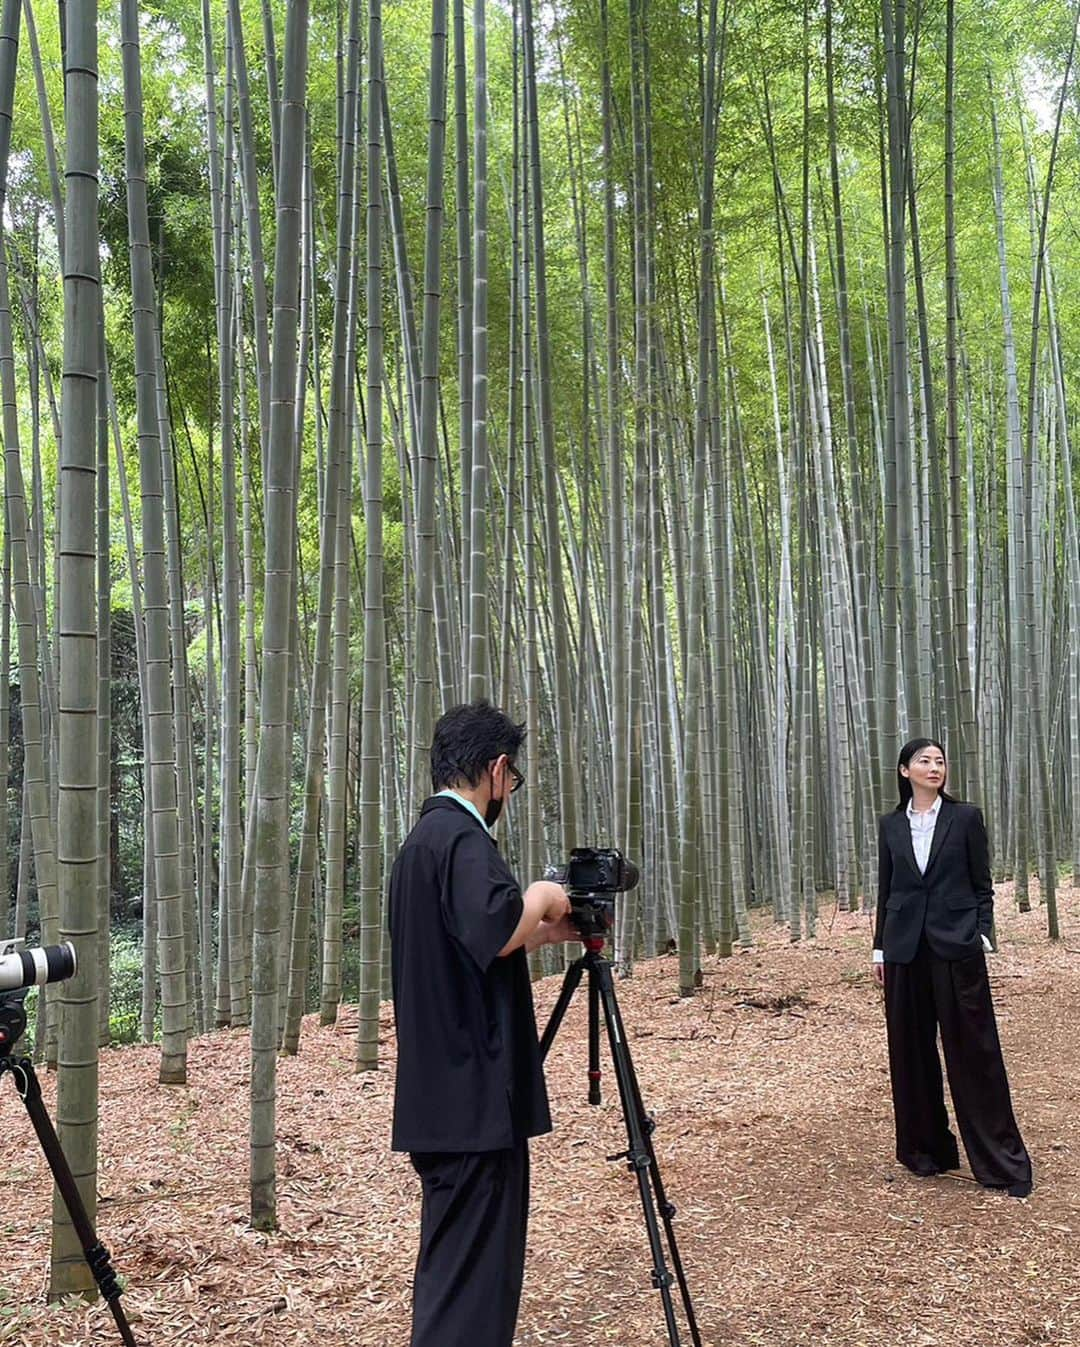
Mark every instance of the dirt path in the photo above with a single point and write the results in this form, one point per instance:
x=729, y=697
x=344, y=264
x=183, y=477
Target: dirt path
x=775, y=1142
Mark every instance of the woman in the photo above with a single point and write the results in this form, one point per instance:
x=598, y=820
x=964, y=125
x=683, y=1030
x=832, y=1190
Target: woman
x=934, y=916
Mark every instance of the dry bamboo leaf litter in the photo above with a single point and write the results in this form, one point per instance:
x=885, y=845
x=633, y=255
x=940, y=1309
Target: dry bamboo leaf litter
x=771, y=1094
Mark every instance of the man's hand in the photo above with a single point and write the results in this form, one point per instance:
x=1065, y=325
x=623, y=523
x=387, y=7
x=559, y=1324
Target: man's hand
x=879, y=973
x=551, y=898
x=555, y=926
x=557, y=932
x=559, y=906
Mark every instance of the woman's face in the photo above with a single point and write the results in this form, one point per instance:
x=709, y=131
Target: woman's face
x=926, y=768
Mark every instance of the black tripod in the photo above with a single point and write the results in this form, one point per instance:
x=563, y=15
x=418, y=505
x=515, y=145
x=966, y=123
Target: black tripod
x=21, y=1070
x=639, y=1155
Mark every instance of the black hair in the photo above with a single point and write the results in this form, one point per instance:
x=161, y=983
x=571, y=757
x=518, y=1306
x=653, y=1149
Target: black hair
x=903, y=783
x=467, y=738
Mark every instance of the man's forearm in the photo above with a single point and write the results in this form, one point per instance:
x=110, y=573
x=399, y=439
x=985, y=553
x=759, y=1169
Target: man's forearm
x=541, y=936
x=536, y=901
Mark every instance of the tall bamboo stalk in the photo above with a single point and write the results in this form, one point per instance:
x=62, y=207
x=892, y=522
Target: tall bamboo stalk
x=373, y=808
x=36, y=795
x=340, y=447
x=272, y=777
x=77, y=832
x=689, y=873
x=104, y=688
x=427, y=456
x=478, y=657
x=568, y=792
x=161, y=763
x=1048, y=865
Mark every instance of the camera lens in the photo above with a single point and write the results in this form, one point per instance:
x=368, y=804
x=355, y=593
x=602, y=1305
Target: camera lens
x=34, y=967
x=629, y=877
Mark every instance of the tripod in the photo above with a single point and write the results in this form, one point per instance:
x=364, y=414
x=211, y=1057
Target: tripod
x=639, y=1155
x=21, y=1070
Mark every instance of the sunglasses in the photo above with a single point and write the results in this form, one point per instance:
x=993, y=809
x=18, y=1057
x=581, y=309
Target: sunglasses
x=516, y=776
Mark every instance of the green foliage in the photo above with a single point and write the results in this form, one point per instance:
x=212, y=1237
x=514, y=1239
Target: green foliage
x=1008, y=53
x=125, y=995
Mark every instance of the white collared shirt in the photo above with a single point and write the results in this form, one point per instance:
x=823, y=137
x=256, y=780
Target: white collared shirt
x=922, y=825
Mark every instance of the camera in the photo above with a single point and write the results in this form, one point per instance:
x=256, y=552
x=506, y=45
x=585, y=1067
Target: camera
x=21, y=967
x=592, y=877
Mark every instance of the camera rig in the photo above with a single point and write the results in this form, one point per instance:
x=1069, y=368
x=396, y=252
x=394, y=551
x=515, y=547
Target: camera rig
x=21, y=969
x=592, y=877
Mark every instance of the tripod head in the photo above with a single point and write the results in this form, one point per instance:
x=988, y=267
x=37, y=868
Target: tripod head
x=12, y=1020
x=593, y=915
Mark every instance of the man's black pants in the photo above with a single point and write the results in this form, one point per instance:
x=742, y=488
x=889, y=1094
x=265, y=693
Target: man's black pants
x=954, y=994
x=472, y=1247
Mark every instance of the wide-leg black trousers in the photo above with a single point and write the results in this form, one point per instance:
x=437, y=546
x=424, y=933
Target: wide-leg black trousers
x=472, y=1247
x=954, y=995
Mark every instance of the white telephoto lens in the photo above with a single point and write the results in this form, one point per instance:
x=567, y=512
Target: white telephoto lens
x=16, y=970
x=34, y=967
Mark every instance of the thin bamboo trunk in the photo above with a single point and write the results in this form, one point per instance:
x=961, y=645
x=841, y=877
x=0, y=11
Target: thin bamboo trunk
x=231, y=828
x=689, y=871
x=104, y=688
x=568, y=793
x=478, y=618
x=373, y=809
x=271, y=856
x=1016, y=551
x=161, y=751
x=34, y=766
x=340, y=447
x=1046, y=820
x=76, y=620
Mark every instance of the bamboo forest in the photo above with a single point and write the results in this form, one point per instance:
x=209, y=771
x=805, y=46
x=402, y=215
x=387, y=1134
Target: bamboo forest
x=696, y=380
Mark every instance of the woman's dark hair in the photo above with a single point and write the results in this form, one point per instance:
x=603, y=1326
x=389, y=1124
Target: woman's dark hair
x=467, y=738
x=903, y=784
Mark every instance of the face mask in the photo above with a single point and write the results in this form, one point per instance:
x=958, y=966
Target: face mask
x=494, y=807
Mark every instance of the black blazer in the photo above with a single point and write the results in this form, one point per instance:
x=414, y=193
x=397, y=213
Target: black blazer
x=953, y=902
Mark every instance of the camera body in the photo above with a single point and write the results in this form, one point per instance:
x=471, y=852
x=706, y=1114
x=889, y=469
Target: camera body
x=592, y=877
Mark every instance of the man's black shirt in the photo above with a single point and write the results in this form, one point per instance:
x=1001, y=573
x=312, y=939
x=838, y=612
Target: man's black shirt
x=469, y=1076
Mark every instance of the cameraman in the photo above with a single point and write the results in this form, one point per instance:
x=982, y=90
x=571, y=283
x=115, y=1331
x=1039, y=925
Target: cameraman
x=470, y=1088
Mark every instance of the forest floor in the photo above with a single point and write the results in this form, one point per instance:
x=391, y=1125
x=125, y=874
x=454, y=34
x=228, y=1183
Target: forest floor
x=771, y=1093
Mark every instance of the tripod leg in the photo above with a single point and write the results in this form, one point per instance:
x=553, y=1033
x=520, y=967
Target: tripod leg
x=569, y=986
x=96, y=1254
x=666, y=1208
x=637, y=1153
x=594, y=1042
